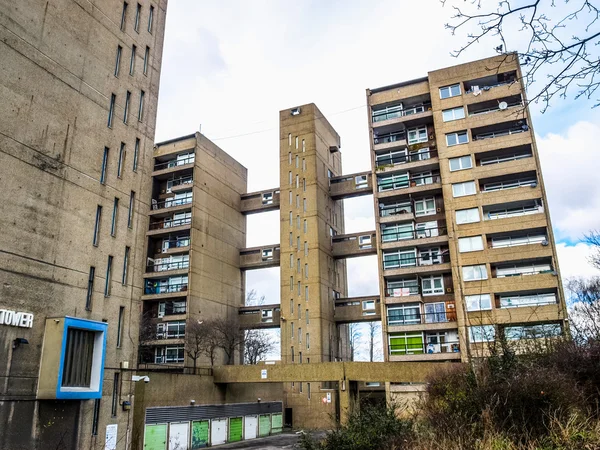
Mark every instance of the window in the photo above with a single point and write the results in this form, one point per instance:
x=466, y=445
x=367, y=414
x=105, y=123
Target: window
x=303, y=146
x=305, y=270
x=406, y=343
x=461, y=163
x=298, y=221
x=521, y=300
x=304, y=169
x=146, y=57
x=460, y=137
x=118, y=61
x=305, y=248
x=150, y=19
x=113, y=225
x=408, y=314
x=305, y=226
x=136, y=154
x=450, y=91
x=453, y=114
x=482, y=302
x=482, y=333
x=290, y=139
x=126, y=110
x=470, y=215
x=123, y=15
x=132, y=60
x=510, y=270
x=97, y=225
x=308, y=390
x=121, y=160
x=470, y=244
x=120, y=325
x=304, y=206
x=306, y=292
x=392, y=181
x=297, y=201
x=108, y=276
x=510, y=184
x=299, y=335
x=131, y=209
x=290, y=178
x=90, y=289
x=297, y=161
x=291, y=261
x=397, y=232
x=493, y=212
x=505, y=158
x=141, y=108
x=417, y=135
x=463, y=189
x=401, y=288
x=111, y=110
x=512, y=241
x=115, y=394
x=474, y=273
x=125, y=266
x=104, y=166
x=307, y=319
x=425, y=207
x=292, y=353
x=398, y=259
x=432, y=285
x=307, y=340
x=138, y=12
x=296, y=142
x=291, y=219
x=435, y=312
x=542, y=330
x=291, y=283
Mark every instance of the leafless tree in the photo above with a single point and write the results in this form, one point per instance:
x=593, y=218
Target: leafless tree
x=252, y=298
x=228, y=336
x=257, y=344
x=374, y=331
x=354, y=338
x=585, y=309
x=560, y=42
x=593, y=239
x=200, y=340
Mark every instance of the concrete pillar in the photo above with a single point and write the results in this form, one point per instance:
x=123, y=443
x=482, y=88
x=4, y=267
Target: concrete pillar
x=344, y=399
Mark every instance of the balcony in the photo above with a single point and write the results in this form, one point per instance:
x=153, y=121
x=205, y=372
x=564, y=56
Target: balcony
x=155, y=289
x=396, y=237
x=394, y=159
x=177, y=203
x=497, y=158
x=349, y=186
x=179, y=184
x=158, y=268
x=357, y=309
x=493, y=86
x=395, y=184
x=400, y=211
x=174, y=245
x=261, y=201
x=169, y=225
x=424, y=351
x=498, y=130
x=405, y=263
x=353, y=245
x=260, y=317
x=260, y=257
x=182, y=162
x=388, y=139
x=512, y=209
x=420, y=321
x=417, y=112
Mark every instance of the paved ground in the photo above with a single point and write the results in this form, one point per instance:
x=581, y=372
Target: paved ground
x=284, y=440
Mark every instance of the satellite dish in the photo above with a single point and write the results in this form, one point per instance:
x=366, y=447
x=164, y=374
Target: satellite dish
x=502, y=105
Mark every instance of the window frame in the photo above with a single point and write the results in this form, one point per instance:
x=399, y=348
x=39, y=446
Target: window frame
x=450, y=93
x=111, y=110
x=453, y=111
x=458, y=222
x=456, y=187
x=471, y=248
x=458, y=135
x=460, y=160
x=477, y=301
x=475, y=267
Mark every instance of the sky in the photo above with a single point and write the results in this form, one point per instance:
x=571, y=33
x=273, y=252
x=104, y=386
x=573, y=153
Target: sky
x=229, y=68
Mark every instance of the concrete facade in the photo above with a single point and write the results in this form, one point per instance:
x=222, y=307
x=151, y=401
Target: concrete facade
x=60, y=64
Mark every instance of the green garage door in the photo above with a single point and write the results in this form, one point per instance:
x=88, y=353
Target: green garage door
x=155, y=437
x=235, y=429
x=200, y=434
x=264, y=425
x=277, y=423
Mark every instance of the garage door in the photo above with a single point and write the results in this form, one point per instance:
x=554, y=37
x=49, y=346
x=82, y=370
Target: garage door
x=250, y=426
x=200, y=434
x=276, y=423
x=155, y=437
x=218, y=431
x=235, y=429
x=179, y=435
x=264, y=425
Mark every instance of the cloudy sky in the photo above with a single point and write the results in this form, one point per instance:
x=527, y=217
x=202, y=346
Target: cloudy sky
x=230, y=67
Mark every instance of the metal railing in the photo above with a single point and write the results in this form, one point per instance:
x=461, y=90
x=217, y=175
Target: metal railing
x=162, y=267
x=387, y=160
x=423, y=349
x=174, y=163
x=394, y=210
x=488, y=87
x=181, y=181
x=171, y=202
x=405, y=183
x=379, y=116
x=176, y=243
x=172, y=312
x=402, y=291
x=170, y=223
x=397, y=262
x=421, y=318
x=413, y=234
x=506, y=132
x=165, y=289
x=389, y=137
x=494, y=108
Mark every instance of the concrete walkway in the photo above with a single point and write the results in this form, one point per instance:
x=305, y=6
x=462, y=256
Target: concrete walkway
x=284, y=440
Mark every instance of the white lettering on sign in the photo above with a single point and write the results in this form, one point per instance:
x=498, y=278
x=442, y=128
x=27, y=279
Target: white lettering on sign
x=16, y=319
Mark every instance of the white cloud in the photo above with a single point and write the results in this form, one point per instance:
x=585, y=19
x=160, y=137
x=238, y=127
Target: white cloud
x=574, y=261
x=570, y=171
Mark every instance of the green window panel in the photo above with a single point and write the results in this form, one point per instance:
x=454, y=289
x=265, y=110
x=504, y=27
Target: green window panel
x=276, y=423
x=264, y=425
x=200, y=434
x=155, y=437
x=235, y=429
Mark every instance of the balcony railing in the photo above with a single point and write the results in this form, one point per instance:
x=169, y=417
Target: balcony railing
x=403, y=291
x=403, y=261
x=390, y=184
x=421, y=349
x=166, y=289
x=179, y=182
x=421, y=318
x=167, y=266
x=500, y=133
x=401, y=158
x=413, y=234
x=389, y=137
x=174, y=163
x=170, y=223
x=379, y=116
x=176, y=243
x=394, y=210
x=495, y=108
x=171, y=202
x=173, y=311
